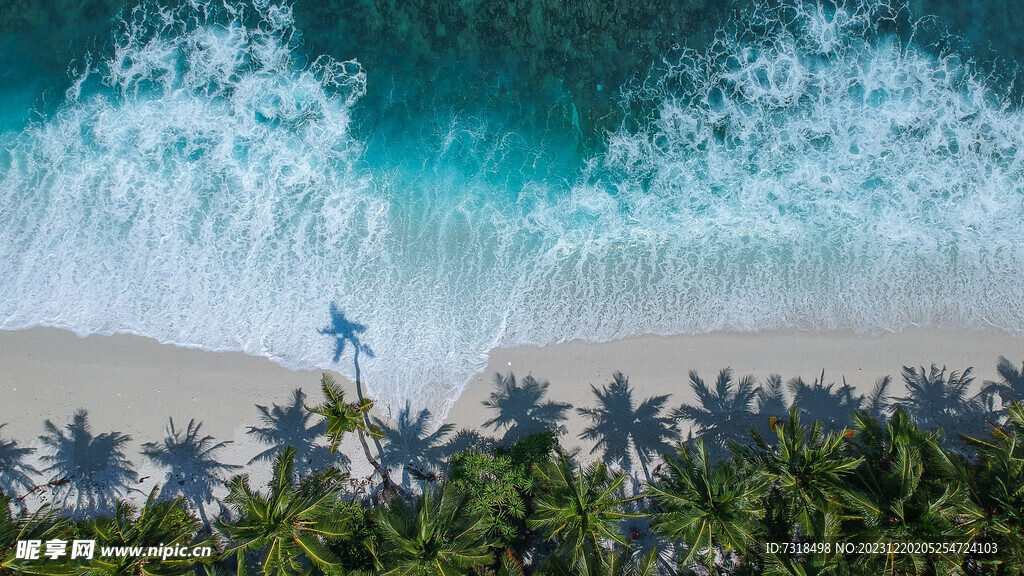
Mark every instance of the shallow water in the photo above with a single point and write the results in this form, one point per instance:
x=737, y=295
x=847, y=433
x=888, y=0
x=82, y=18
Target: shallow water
x=456, y=177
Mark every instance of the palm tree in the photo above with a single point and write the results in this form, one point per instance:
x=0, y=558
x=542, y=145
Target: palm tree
x=435, y=537
x=620, y=428
x=809, y=467
x=994, y=483
x=521, y=411
x=1012, y=385
x=342, y=418
x=707, y=506
x=167, y=523
x=938, y=401
x=93, y=470
x=579, y=509
x=194, y=472
x=15, y=474
x=292, y=425
x=621, y=562
x=346, y=332
x=408, y=445
x=898, y=494
x=45, y=523
x=724, y=414
x=287, y=527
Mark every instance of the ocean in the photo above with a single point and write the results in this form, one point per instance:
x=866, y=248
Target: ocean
x=434, y=180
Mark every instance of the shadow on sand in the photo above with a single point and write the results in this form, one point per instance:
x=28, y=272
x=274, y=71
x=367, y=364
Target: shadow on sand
x=726, y=412
x=621, y=429
x=293, y=425
x=87, y=473
x=522, y=410
x=15, y=475
x=193, y=469
x=409, y=446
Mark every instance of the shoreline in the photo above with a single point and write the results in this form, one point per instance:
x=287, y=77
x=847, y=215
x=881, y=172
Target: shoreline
x=133, y=384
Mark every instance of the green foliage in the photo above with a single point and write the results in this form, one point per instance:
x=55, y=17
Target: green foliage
x=342, y=417
x=496, y=488
x=809, y=471
x=359, y=536
x=531, y=449
x=578, y=508
x=166, y=523
x=994, y=484
x=620, y=562
x=528, y=509
x=289, y=526
x=899, y=495
x=439, y=536
x=498, y=485
x=43, y=524
x=707, y=505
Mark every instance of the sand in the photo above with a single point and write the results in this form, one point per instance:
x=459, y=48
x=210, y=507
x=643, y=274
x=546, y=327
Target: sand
x=660, y=365
x=133, y=385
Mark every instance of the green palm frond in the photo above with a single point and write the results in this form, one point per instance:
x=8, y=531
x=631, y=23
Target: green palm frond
x=437, y=536
x=289, y=525
x=578, y=508
x=341, y=417
x=45, y=523
x=706, y=505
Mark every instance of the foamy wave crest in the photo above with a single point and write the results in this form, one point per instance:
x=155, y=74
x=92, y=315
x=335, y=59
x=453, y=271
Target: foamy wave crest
x=808, y=171
x=201, y=185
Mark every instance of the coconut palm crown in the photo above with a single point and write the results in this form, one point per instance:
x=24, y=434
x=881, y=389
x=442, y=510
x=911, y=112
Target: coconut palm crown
x=286, y=528
x=437, y=536
x=580, y=509
x=707, y=505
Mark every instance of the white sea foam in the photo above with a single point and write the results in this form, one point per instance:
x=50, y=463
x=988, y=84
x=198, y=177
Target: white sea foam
x=201, y=185
x=816, y=174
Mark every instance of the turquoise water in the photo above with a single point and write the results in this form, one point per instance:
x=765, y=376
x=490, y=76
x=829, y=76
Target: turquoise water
x=459, y=177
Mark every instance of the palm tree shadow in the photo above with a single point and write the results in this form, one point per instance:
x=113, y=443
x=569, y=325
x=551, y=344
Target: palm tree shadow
x=724, y=414
x=193, y=470
x=15, y=474
x=293, y=425
x=88, y=473
x=346, y=333
x=1009, y=389
x=521, y=409
x=937, y=400
x=466, y=440
x=832, y=406
x=409, y=446
x=623, y=430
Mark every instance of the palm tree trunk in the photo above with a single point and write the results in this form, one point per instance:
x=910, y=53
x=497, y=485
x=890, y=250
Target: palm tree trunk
x=385, y=477
x=202, y=515
x=359, y=395
x=643, y=466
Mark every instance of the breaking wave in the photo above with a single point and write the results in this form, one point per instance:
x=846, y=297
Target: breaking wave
x=815, y=168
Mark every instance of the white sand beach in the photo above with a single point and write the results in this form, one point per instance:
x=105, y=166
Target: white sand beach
x=133, y=385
